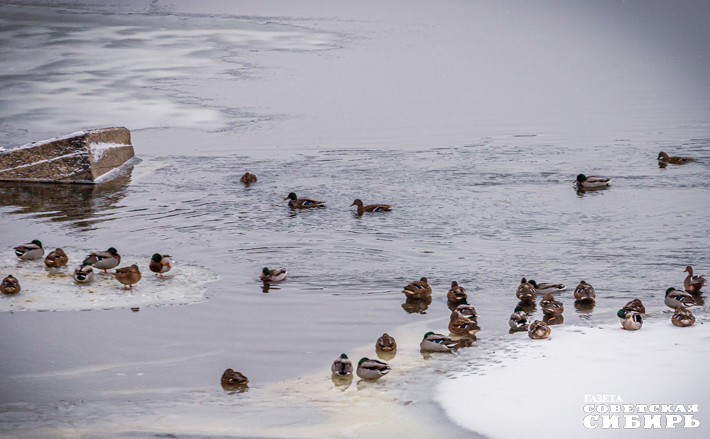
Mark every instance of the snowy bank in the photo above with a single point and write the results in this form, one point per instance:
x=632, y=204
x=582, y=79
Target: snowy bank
x=539, y=387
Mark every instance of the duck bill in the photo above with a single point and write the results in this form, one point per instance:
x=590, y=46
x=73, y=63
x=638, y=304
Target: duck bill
x=353, y=205
x=286, y=198
x=576, y=181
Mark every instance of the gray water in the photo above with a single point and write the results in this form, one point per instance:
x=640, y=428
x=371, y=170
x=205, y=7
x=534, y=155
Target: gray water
x=471, y=119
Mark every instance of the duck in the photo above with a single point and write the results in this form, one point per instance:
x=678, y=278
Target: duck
x=276, y=275
x=418, y=289
x=466, y=310
x=550, y=306
x=635, y=305
x=630, y=320
x=104, y=260
x=230, y=378
x=342, y=366
x=368, y=369
x=84, y=273
x=584, y=292
x=526, y=292
x=456, y=293
x=160, y=264
x=302, y=203
x=56, y=259
x=248, y=179
x=682, y=317
x=10, y=285
x=584, y=182
x=386, y=343
x=543, y=288
x=459, y=325
x=693, y=284
x=538, y=330
x=128, y=276
x=31, y=251
x=518, y=320
x=437, y=343
x=678, y=299
x=370, y=207
x=663, y=157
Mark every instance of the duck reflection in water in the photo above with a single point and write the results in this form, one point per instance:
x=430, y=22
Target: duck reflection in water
x=584, y=306
x=420, y=306
x=553, y=320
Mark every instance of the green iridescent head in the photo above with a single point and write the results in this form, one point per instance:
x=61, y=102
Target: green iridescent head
x=428, y=334
x=668, y=291
x=37, y=243
x=621, y=314
x=532, y=282
x=362, y=360
x=518, y=309
x=581, y=178
x=156, y=258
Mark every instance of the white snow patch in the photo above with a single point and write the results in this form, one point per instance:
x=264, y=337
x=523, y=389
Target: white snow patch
x=52, y=289
x=115, y=172
x=541, y=388
x=98, y=149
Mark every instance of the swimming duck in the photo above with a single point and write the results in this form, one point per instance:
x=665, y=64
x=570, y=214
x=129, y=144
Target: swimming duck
x=248, y=179
x=456, y=293
x=84, y=273
x=538, y=330
x=231, y=378
x=10, y=285
x=437, y=343
x=584, y=292
x=276, y=275
x=635, y=305
x=160, y=264
x=518, y=320
x=104, y=260
x=128, y=276
x=302, y=203
x=418, y=289
x=693, y=284
x=56, y=259
x=466, y=310
x=546, y=287
x=682, y=317
x=462, y=326
x=342, y=366
x=526, y=292
x=678, y=299
x=585, y=182
x=31, y=251
x=386, y=343
x=368, y=369
x=663, y=157
x=630, y=320
x=370, y=207
x=551, y=306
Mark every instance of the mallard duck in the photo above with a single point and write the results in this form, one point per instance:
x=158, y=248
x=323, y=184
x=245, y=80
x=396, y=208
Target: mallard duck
x=584, y=292
x=456, y=293
x=538, y=330
x=459, y=325
x=368, y=369
x=437, y=343
x=678, y=299
x=693, y=284
x=546, y=287
x=232, y=378
x=10, y=285
x=370, y=207
x=518, y=320
x=551, y=306
x=630, y=320
x=56, y=259
x=418, y=289
x=635, y=305
x=386, y=343
x=302, y=203
x=466, y=310
x=160, y=264
x=31, y=251
x=276, y=275
x=342, y=366
x=682, y=317
x=84, y=273
x=104, y=260
x=128, y=276
x=585, y=182
x=526, y=292
x=248, y=179
x=663, y=157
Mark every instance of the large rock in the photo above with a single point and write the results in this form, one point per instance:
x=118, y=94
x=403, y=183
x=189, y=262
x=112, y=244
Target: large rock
x=81, y=157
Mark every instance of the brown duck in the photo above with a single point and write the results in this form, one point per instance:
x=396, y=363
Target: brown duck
x=682, y=317
x=56, y=259
x=370, y=207
x=635, y=305
x=386, y=343
x=418, y=289
x=526, y=291
x=662, y=156
x=248, y=179
x=302, y=203
x=456, y=293
x=693, y=284
x=231, y=378
x=538, y=330
x=584, y=292
x=459, y=325
x=10, y=285
x=128, y=276
x=550, y=306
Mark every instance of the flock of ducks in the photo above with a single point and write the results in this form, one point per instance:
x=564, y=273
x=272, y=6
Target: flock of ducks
x=84, y=273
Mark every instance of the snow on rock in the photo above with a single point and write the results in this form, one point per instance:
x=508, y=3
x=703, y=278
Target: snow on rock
x=98, y=149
